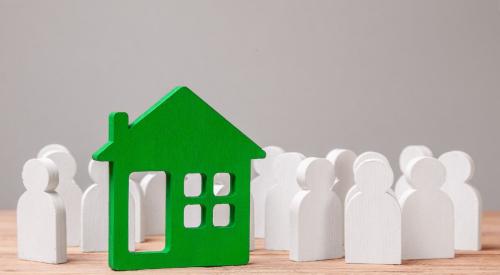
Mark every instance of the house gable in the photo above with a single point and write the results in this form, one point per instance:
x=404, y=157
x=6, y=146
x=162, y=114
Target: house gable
x=180, y=119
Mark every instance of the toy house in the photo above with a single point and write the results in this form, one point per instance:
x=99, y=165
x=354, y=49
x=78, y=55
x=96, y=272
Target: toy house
x=180, y=135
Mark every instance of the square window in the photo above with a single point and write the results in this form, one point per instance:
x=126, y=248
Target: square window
x=192, y=216
x=221, y=215
x=193, y=185
x=222, y=184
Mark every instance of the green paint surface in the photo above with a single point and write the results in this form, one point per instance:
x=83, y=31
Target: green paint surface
x=180, y=134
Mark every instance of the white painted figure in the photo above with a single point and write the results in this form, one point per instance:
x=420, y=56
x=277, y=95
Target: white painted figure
x=316, y=214
x=138, y=176
x=373, y=217
x=69, y=191
x=343, y=162
x=277, y=235
x=261, y=184
x=95, y=203
x=466, y=199
x=370, y=155
x=427, y=212
x=52, y=147
x=154, y=188
x=139, y=217
x=41, y=218
x=409, y=153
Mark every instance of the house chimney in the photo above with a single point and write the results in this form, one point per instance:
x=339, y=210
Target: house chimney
x=118, y=125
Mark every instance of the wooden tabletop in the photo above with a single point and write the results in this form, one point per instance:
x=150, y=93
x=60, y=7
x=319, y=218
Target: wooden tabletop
x=262, y=261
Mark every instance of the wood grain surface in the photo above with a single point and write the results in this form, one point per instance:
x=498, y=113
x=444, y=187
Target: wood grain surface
x=262, y=261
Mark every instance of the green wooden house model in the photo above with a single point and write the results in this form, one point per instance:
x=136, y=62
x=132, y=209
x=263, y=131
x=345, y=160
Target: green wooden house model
x=180, y=135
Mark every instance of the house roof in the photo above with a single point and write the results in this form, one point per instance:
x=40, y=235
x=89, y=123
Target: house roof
x=179, y=123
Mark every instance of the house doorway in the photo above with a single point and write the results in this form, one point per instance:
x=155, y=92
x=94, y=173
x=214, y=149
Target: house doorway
x=148, y=190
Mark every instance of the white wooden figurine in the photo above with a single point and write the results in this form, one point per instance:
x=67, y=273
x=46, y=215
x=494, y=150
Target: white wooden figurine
x=138, y=176
x=343, y=161
x=261, y=184
x=279, y=198
x=69, y=191
x=373, y=217
x=427, y=212
x=370, y=155
x=50, y=148
x=409, y=153
x=367, y=156
x=154, y=188
x=316, y=214
x=466, y=199
x=139, y=217
x=41, y=218
x=95, y=202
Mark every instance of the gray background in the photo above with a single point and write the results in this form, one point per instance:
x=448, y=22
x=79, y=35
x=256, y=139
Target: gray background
x=309, y=76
